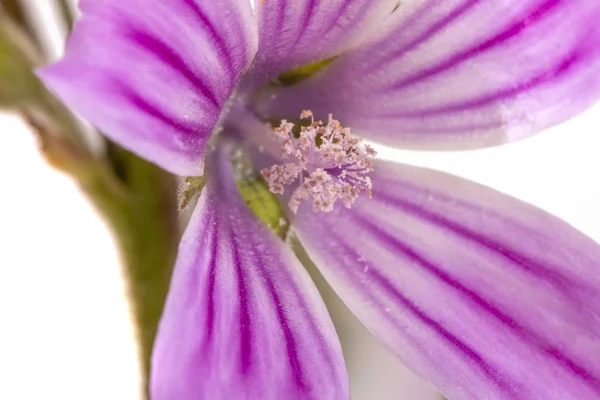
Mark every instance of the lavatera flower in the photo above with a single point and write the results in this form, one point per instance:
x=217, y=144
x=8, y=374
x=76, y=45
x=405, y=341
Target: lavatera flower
x=481, y=294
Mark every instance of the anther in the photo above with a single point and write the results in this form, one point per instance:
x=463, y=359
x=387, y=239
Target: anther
x=328, y=163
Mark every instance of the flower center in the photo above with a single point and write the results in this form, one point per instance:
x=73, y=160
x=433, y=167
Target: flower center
x=328, y=163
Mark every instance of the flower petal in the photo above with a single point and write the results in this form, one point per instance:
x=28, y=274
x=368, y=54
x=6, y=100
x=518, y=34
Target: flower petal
x=484, y=295
x=243, y=320
x=296, y=32
x=460, y=74
x=154, y=77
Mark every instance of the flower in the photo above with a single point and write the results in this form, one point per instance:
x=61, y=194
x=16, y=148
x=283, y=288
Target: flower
x=485, y=296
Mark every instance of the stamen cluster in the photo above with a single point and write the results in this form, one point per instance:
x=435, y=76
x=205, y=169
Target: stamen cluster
x=329, y=163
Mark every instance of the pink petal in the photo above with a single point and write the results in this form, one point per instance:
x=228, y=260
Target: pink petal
x=243, y=320
x=460, y=74
x=484, y=295
x=296, y=32
x=153, y=76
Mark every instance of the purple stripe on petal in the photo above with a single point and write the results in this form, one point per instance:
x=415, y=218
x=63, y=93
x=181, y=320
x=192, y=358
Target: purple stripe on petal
x=243, y=320
x=290, y=342
x=182, y=128
x=245, y=332
x=341, y=10
x=218, y=38
x=562, y=67
x=528, y=19
x=483, y=303
x=432, y=30
x=306, y=19
x=552, y=275
x=167, y=56
x=182, y=57
x=386, y=287
x=563, y=283
x=296, y=32
x=480, y=293
x=445, y=68
x=210, y=293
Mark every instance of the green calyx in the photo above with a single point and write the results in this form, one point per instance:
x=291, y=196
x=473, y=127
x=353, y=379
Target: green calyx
x=190, y=189
x=255, y=192
x=300, y=73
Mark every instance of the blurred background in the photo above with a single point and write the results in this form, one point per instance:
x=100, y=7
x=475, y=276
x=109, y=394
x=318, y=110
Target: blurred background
x=66, y=330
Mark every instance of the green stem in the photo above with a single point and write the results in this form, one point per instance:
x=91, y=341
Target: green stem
x=148, y=235
x=137, y=200
x=144, y=225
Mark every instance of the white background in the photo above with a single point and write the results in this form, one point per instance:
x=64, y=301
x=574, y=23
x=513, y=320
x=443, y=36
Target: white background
x=65, y=331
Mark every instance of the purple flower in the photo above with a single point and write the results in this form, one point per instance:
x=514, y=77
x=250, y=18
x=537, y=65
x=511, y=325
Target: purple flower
x=485, y=296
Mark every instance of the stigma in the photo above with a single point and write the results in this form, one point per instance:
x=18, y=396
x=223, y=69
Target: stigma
x=324, y=162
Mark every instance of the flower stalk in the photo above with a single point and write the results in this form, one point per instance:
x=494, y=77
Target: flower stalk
x=138, y=205
x=134, y=197
x=146, y=227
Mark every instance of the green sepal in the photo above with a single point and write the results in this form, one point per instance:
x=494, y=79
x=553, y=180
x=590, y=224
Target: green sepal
x=255, y=192
x=300, y=73
x=189, y=190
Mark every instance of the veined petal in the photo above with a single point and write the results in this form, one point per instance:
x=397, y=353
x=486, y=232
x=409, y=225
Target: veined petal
x=153, y=76
x=486, y=296
x=460, y=74
x=243, y=319
x=297, y=32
